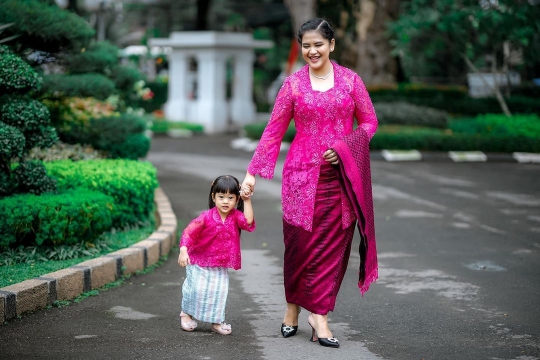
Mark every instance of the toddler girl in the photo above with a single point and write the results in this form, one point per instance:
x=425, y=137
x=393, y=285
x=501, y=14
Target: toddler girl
x=210, y=244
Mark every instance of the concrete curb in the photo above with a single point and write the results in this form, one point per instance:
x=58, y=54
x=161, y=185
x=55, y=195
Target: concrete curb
x=66, y=284
x=249, y=145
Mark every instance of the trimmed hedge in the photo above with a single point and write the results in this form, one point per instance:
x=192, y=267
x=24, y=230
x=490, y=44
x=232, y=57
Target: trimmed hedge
x=67, y=218
x=499, y=125
x=130, y=183
x=101, y=57
x=455, y=142
x=407, y=114
x=24, y=113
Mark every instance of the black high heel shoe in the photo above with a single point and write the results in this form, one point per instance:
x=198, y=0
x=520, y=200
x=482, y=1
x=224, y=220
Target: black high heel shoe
x=288, y=330
x=328, y=342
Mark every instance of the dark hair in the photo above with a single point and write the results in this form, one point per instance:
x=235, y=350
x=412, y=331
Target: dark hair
x=226, y=184
x=322, y=26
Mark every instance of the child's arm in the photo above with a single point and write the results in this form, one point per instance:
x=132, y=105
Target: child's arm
x=191, y=232
x=248, y=210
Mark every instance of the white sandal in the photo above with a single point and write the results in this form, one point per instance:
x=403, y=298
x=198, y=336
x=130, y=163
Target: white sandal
x=223, y=329
x=187, y=324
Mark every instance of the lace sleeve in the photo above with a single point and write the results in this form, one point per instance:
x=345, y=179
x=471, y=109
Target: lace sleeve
x=363, y=108
x=242, y=223
x=192, y=232
x=266, y=154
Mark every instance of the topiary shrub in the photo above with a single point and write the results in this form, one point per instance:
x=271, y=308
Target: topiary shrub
x=31, y=177
x=23, y=125
x=45, y=27
x=100, y=57
x=16, y=76
x=401, y=113
x=77, y=85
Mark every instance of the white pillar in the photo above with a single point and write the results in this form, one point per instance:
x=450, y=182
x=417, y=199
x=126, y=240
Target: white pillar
x=243, y=109
x=211, y=102
x=177, y=103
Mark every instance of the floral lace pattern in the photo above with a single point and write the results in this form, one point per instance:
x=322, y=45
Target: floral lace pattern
x=321, y=119
x=211, y=242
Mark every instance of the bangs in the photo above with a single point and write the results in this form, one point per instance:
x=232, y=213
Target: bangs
x=227, y=184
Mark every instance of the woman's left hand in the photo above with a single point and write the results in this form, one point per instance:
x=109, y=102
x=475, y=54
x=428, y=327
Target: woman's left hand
x=331, y=156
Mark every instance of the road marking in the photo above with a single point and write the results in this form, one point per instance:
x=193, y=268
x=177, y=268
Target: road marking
x=417, y=214
x=485, y=266
x=459, y=193
x=516, y=199
x=401, y=155
x=381, y=192
x=465, y=156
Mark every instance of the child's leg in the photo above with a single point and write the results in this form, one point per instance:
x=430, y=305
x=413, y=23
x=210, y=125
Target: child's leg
x=188, y=301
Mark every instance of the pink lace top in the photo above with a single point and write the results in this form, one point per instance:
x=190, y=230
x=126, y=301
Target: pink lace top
x=321, y=118
x=211, y=242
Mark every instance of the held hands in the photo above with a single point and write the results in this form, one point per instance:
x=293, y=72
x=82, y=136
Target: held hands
x=248, y=186
x=183, y=258
x=246, y=193
x=331, y=156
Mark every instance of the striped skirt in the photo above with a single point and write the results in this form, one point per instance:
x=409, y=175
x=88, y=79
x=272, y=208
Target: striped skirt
x=204, y=293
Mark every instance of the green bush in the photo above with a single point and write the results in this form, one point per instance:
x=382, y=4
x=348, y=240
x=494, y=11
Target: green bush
x=78, y=85
x=15, y=74
x=499, y=125
x=31, y=177
x=100, y=57
x=62, y=151
x=407, y=114
x=120, y=137
x=454, y=101
x=45, y=27
x=44, y=137
x=125, y=77
x=67, y=218
x=12, y=143
x=130, y=183
x=160, y=90
x=24, y=113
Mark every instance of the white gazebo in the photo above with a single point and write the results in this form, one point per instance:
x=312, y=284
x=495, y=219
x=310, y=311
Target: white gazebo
x=201, y=97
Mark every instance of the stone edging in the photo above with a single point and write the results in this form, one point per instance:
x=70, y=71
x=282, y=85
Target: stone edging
x=249, y=145
x=66, y=284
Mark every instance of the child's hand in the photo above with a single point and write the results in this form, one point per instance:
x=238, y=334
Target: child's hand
x=246, y=192
x=183, y=258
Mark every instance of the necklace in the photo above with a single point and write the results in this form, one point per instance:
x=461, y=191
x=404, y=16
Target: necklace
x=321, y=77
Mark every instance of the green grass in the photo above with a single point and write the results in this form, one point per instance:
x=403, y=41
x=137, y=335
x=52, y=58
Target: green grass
x=162, y=126
x=13, y=274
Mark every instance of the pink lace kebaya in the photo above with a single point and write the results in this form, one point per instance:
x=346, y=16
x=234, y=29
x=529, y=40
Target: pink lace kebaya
x=321, y=119
x=215, y=243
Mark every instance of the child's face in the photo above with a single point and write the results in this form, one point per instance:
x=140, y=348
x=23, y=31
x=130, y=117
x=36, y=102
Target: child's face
x=225, y=202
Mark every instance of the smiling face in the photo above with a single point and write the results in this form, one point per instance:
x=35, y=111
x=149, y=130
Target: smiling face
x=316, y=51
x=225, y=202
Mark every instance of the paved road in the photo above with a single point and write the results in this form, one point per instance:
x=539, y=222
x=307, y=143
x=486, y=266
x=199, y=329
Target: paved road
x=459, y=248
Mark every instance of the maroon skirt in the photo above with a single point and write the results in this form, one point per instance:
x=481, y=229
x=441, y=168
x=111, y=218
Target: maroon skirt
x=315, y=262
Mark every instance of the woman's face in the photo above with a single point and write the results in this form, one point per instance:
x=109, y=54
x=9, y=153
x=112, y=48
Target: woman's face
x=316, y=49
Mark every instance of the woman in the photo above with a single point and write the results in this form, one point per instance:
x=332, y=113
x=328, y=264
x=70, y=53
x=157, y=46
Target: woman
x=323, y=194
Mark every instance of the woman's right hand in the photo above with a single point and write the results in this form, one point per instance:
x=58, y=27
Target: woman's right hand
x=249, y=182
x=183, y=258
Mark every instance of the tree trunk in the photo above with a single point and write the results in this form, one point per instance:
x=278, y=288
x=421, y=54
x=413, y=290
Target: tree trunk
x=203, y=7
x=300, y=11
x=374, y=63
